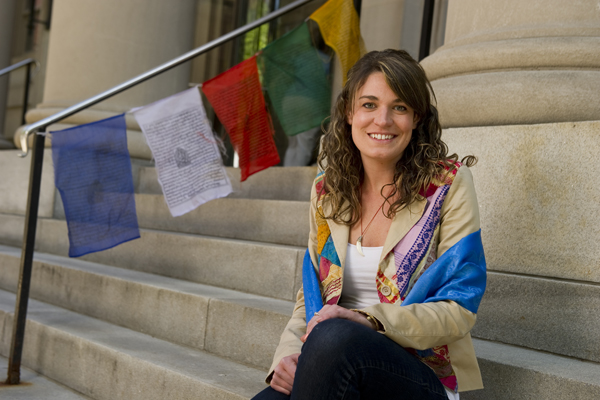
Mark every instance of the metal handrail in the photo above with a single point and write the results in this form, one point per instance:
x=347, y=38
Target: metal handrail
x=43, y=123
x=35, y=177
x=27, y=62
x=17, y=66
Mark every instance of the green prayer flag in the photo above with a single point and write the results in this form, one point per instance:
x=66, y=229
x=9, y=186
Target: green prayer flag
x=296, y=81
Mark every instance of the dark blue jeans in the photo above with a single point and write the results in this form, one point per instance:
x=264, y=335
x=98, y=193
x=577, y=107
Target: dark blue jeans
x=345, y=360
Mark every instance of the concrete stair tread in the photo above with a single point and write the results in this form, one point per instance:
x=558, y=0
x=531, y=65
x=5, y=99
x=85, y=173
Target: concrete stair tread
x=132, y=348
x=512, y=372
x=240, y=326
x=272, y=221
x=541, y=313
x=191, y=288
x=547, y=363
x=287, y=183
x=35, y=387
x=244, y=265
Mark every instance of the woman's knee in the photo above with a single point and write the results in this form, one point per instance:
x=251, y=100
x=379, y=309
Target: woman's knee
x=335, y=337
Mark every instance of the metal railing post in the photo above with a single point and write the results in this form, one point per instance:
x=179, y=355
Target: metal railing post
x=20, y=316
x=26, y=95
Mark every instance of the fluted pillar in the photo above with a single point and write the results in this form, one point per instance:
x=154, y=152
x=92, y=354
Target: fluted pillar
x=518, y=85
x=518, y=62
x=95, y=45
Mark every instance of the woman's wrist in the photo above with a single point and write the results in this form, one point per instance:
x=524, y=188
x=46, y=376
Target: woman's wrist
x=378, y=326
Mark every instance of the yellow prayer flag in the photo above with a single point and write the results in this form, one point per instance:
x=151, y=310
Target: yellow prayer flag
x=340, y=28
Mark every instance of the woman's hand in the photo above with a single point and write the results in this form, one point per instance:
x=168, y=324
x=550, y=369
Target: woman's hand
x=283, y=375
x=334, y=311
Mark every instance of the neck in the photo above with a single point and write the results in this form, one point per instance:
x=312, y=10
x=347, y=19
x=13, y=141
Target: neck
x=376, y=176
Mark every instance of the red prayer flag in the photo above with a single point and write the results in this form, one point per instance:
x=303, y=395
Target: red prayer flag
x=237, y=99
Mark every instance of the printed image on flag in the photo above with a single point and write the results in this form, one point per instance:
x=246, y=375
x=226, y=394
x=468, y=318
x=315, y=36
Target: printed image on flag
x=190, y=168
x=92, y=172
x=340, y=28
x=237, y=99
x=295, y=79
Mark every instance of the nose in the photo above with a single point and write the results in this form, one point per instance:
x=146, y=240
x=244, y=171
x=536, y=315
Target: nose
x=383, y=117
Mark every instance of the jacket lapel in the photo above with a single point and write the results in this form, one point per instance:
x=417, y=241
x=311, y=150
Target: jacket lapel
x=403, y=221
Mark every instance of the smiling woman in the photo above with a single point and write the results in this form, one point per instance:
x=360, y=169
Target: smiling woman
x=401, y=290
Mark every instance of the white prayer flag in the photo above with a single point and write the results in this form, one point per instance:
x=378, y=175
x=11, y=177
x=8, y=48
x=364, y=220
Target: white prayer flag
x=190, y=169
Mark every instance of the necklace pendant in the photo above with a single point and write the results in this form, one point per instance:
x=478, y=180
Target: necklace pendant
x=359, y=246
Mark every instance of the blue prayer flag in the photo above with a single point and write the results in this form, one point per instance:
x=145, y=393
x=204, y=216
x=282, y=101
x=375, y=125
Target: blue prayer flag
x=92, y=172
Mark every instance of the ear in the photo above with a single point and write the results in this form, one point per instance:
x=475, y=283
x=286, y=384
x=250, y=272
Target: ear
x=416, y=120
x=349, y=116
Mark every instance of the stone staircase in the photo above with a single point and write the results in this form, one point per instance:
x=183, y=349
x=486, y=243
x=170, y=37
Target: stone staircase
x=194, y=308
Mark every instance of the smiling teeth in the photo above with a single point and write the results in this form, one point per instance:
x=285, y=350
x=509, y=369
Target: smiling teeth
x=380, y=137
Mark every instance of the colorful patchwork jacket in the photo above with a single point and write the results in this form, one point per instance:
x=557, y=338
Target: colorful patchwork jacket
x=428, y=299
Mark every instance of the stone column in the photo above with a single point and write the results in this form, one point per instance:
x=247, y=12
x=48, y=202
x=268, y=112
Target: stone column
x=97, y=45
x=518, y=85
x=518, y=62
x=7, y=13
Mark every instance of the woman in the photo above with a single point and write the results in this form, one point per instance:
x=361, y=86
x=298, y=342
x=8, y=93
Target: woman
x=397, y=218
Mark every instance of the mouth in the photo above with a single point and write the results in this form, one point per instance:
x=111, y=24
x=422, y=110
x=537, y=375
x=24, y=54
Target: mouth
x=381, y=136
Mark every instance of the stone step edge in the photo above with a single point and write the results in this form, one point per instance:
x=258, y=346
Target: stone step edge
x=198, y=315
x=264, y=303
x=268, y=221
x=105, y=361
x=21, y=219
x=35, y=386
x=296, y=182
x=239, y=264
x=515, y=373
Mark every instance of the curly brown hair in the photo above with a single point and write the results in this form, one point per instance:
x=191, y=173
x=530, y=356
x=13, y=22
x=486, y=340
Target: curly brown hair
x=425, y=158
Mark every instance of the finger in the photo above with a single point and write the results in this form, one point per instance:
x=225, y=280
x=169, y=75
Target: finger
x=280, y=389
x=282, y=381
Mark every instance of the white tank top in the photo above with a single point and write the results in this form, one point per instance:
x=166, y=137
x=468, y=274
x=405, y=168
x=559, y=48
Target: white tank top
x=359, y=289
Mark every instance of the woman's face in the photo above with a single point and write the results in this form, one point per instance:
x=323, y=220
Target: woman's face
x=381, y=123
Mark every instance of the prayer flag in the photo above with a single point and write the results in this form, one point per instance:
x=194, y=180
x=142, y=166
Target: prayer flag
x=237, y=99
x=340, y=28
x=92, y=172
x=189, y=166
x=296, y=81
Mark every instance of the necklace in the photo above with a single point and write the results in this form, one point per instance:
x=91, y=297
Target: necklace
x=362, y=233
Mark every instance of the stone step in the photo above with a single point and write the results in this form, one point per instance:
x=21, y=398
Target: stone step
x=275, y=183
x=34, y=386
x=107, y=362
x=242, y=327
x=265, y=269
x=535, y=312
x=540, y=313
x=516, y=373
x=15, y=182
x=271, y=221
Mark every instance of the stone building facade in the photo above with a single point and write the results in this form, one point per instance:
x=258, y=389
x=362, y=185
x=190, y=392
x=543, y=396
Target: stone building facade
x=517, y=84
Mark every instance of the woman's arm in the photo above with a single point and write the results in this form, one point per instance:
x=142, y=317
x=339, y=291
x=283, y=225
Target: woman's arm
x=290, y=342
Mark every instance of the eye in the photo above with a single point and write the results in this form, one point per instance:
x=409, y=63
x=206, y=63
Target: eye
x=400, y=108
x=369, y=105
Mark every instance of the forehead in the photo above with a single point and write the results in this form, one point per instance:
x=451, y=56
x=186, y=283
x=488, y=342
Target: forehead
x=375, y=86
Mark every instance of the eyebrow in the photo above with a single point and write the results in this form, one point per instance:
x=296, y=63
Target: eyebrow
x=368, y=97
